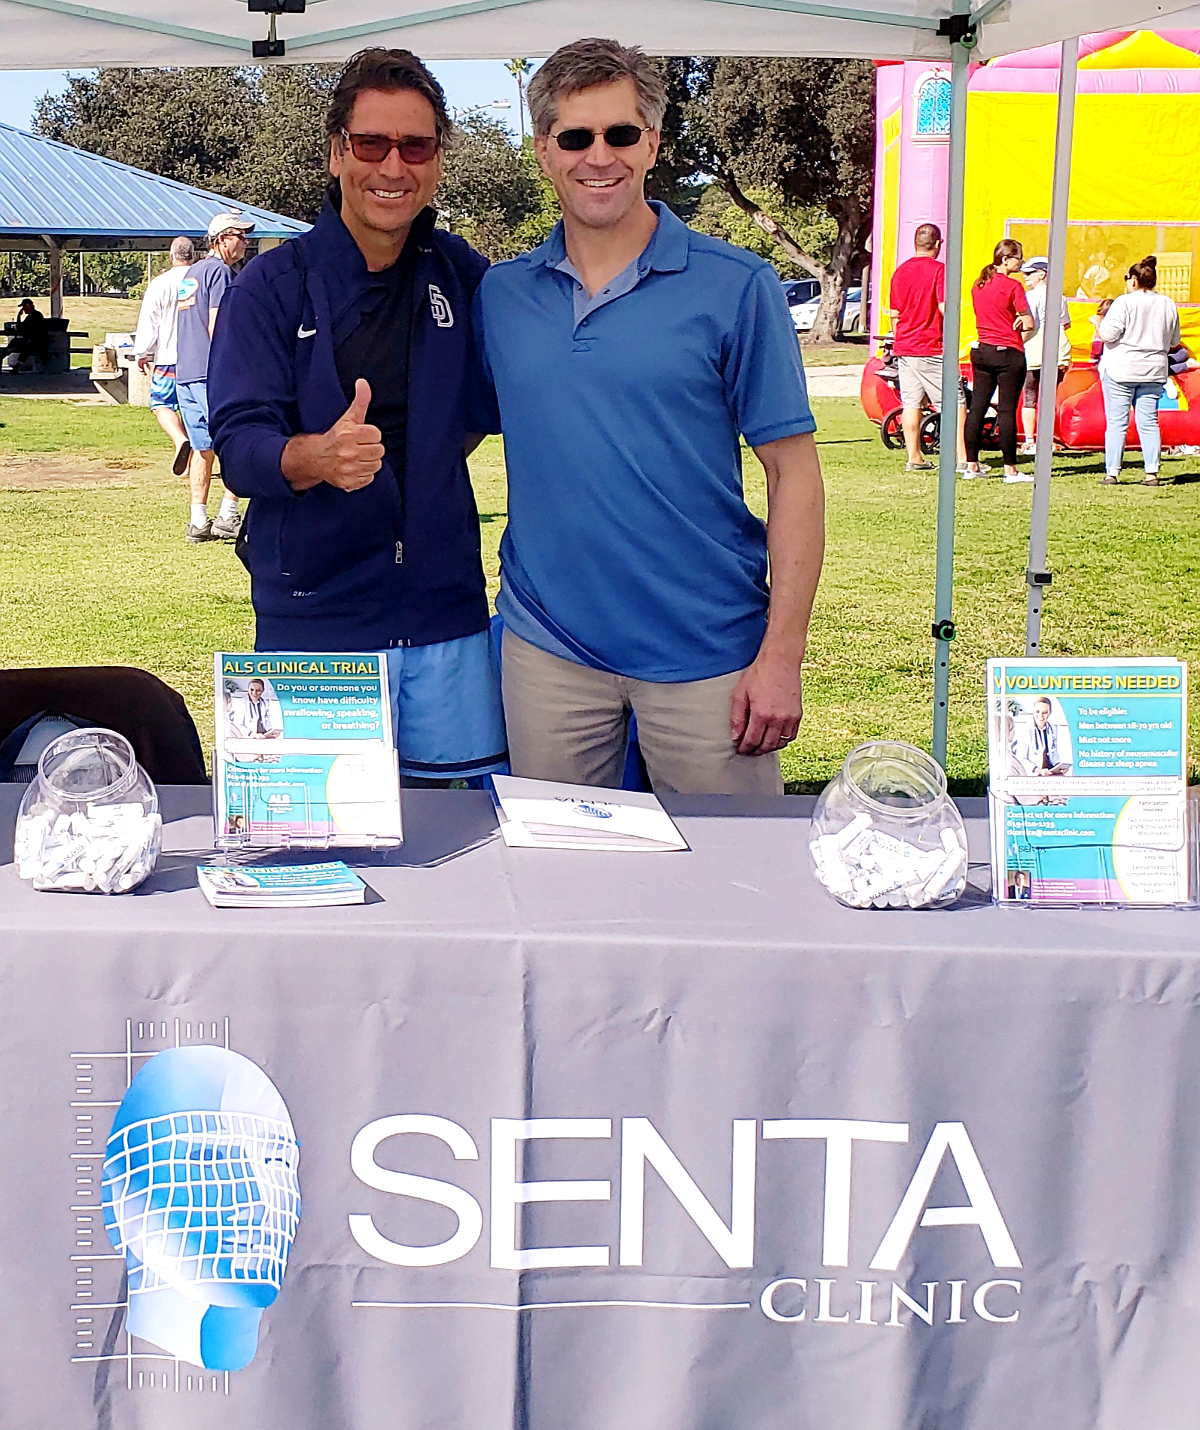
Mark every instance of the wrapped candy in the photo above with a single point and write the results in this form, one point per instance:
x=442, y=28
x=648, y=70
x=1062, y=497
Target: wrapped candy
x=89, y=822
x=885, y=834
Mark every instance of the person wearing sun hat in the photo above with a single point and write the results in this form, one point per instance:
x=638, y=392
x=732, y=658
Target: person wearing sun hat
x=1034, y=271
x=200, y=295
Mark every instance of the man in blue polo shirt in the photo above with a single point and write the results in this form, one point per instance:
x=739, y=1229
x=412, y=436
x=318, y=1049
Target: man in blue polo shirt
x=628, y=354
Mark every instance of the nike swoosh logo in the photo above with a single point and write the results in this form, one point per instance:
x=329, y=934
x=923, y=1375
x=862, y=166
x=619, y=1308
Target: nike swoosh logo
x=303, y=332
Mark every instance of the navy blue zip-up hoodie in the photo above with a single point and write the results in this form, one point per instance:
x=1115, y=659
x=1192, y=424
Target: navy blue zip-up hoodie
x=397, y=562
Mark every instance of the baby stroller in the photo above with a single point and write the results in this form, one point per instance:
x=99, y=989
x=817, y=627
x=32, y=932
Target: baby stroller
x=880, y=396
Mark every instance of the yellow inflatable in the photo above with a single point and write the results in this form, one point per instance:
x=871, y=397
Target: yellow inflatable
x=1135, y=173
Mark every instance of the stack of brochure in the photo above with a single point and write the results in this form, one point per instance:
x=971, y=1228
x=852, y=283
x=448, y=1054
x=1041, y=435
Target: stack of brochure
x=537, y=814
x=301, y=886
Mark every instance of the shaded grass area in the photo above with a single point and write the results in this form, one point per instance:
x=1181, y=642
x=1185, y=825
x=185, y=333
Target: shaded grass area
x=101, y=574
x=843, y=353
x=95, y=316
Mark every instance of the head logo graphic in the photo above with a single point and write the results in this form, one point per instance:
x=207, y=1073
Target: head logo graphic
x=201, y=1196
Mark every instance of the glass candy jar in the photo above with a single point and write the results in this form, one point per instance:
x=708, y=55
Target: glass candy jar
x=885, y=834
x=89, y=821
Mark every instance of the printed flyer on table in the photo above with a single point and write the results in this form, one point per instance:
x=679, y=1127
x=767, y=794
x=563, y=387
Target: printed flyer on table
x=305, y=750
x=1087, y=766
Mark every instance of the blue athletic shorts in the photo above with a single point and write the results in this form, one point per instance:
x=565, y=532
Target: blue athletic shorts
x=193, y=408
x=446, y=709
x=162, y=388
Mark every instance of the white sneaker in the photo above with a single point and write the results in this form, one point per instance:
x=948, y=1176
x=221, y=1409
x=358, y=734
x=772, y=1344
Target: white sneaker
x=1019, y=477
x=969, y=476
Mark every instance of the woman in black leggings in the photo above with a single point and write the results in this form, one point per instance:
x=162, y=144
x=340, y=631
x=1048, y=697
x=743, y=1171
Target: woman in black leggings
x=1002, y=320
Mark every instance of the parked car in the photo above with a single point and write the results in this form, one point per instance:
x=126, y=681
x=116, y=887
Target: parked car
x=804, y=315
x=800, y=290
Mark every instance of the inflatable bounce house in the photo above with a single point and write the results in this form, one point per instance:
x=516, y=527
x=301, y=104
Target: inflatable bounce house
x=1135, y=190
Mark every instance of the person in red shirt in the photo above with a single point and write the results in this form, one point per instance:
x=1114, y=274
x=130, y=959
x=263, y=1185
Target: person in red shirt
x=917, y=303
x=1002, y=320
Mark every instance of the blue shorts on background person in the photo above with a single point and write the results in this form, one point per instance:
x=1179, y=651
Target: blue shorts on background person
x=192, y=398
x=162, y=389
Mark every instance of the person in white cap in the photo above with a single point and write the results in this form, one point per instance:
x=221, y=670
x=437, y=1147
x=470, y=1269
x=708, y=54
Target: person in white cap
x=1035, y=288
x=200, y=296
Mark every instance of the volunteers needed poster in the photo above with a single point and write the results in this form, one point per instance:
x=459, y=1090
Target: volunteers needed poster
x=1087, y=774
x=304, y=751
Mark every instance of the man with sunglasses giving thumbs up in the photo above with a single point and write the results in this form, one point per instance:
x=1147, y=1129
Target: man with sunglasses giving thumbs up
x=628, y=355
x=342, y=394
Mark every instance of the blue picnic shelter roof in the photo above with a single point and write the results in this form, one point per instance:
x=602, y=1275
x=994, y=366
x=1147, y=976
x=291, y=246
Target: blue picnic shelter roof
x=51, y=188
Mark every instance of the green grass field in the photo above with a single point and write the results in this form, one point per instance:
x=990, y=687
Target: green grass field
x=97, y=572
x=98, y=316
x=95, y=316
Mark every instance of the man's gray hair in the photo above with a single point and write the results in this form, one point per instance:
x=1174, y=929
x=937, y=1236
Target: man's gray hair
x=584, y=64
x=183, y=250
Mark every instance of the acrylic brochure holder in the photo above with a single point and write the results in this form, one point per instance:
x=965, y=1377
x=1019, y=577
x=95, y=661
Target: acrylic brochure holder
x=1087, y=784
x=304, y=756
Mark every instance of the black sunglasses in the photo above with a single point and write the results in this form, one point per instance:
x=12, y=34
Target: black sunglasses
x=374, y=148
x=616, y=136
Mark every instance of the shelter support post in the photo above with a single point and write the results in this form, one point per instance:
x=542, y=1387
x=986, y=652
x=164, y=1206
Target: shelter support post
x=55, y=251
x=1037, y=578
x=943, y=614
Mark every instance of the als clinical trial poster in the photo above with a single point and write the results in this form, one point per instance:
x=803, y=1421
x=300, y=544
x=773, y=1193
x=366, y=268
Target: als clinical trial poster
x=305, y=751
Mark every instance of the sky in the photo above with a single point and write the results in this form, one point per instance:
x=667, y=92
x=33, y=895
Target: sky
x=467, y=83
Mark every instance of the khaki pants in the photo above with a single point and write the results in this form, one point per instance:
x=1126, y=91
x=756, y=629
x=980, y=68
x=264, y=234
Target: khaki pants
x=569, y=722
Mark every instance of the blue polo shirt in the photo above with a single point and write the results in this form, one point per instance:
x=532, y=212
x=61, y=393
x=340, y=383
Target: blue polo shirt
x=629, y=545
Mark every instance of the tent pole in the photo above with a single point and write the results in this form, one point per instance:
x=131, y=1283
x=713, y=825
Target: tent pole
x=943, y=619
x=54, y=248
x=1037, y=578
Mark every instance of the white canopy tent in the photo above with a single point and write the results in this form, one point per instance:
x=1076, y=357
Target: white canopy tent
x=38, y=34
x=63, y=34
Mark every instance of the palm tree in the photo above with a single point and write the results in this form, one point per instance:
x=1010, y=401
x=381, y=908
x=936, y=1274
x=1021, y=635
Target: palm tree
x=519, y=69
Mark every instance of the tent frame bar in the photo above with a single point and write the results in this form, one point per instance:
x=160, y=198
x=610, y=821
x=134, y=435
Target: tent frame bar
x=135, y=22
x=815, y=8
x=1037, y=577
x=943, y=610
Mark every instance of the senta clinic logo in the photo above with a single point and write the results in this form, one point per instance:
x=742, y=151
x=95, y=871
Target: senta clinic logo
x=200, y=1195
x=869, y=1298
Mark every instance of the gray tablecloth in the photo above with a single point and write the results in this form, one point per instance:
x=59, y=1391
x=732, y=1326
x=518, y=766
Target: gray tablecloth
x=757, y=1108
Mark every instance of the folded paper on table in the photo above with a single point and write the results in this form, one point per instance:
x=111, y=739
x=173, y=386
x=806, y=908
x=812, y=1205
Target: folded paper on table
x=540, y=814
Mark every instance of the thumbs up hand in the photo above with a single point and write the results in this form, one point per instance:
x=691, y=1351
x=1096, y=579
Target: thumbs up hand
x=355, y=446
x=347, y=456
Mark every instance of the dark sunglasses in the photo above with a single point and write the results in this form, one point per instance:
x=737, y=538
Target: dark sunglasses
x=616, y=136
x=374, y=148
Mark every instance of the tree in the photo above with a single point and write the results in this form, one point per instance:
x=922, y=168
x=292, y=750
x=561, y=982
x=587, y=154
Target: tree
x=192, y=124
x=519, y=69
x=802, y=127
x=487, y=189
x=284, y=165
x=810, y=227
